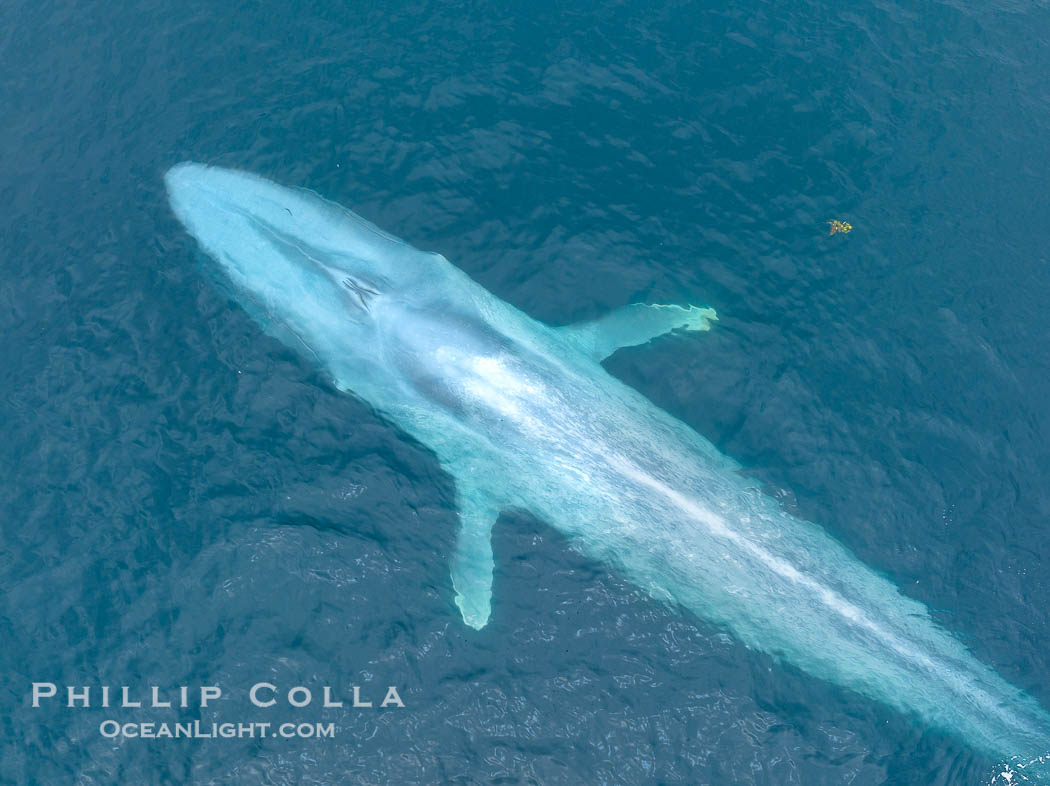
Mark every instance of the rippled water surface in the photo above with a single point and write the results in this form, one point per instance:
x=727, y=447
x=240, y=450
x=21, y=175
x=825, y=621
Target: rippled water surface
x=184, y=501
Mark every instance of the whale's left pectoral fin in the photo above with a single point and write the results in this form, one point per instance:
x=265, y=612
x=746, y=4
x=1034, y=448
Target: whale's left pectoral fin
x=472, y=563
x=635, y=324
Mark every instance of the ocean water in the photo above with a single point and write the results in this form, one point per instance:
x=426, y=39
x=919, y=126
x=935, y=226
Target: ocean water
x=184, y=501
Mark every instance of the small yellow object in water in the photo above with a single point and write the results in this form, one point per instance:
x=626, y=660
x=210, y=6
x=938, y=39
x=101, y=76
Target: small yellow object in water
x=840, y=226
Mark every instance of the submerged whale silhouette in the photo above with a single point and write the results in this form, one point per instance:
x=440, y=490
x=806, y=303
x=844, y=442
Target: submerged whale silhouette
x=524, y=416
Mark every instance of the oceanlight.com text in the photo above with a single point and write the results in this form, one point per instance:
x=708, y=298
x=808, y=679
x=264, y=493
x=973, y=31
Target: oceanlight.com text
x=203, y=730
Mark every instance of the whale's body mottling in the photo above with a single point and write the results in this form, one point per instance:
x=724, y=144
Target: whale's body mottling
x=523, y=415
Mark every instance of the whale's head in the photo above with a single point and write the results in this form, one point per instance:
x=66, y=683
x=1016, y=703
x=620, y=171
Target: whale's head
x=312, y=272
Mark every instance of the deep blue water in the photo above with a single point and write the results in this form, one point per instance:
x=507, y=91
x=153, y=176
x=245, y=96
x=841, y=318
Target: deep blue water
x=184, y=501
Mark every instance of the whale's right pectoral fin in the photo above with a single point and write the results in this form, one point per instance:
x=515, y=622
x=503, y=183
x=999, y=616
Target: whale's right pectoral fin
x=635, y=324
x=472, y=563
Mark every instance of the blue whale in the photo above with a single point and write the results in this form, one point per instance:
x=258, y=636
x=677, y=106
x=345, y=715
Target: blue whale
x=523, y=415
